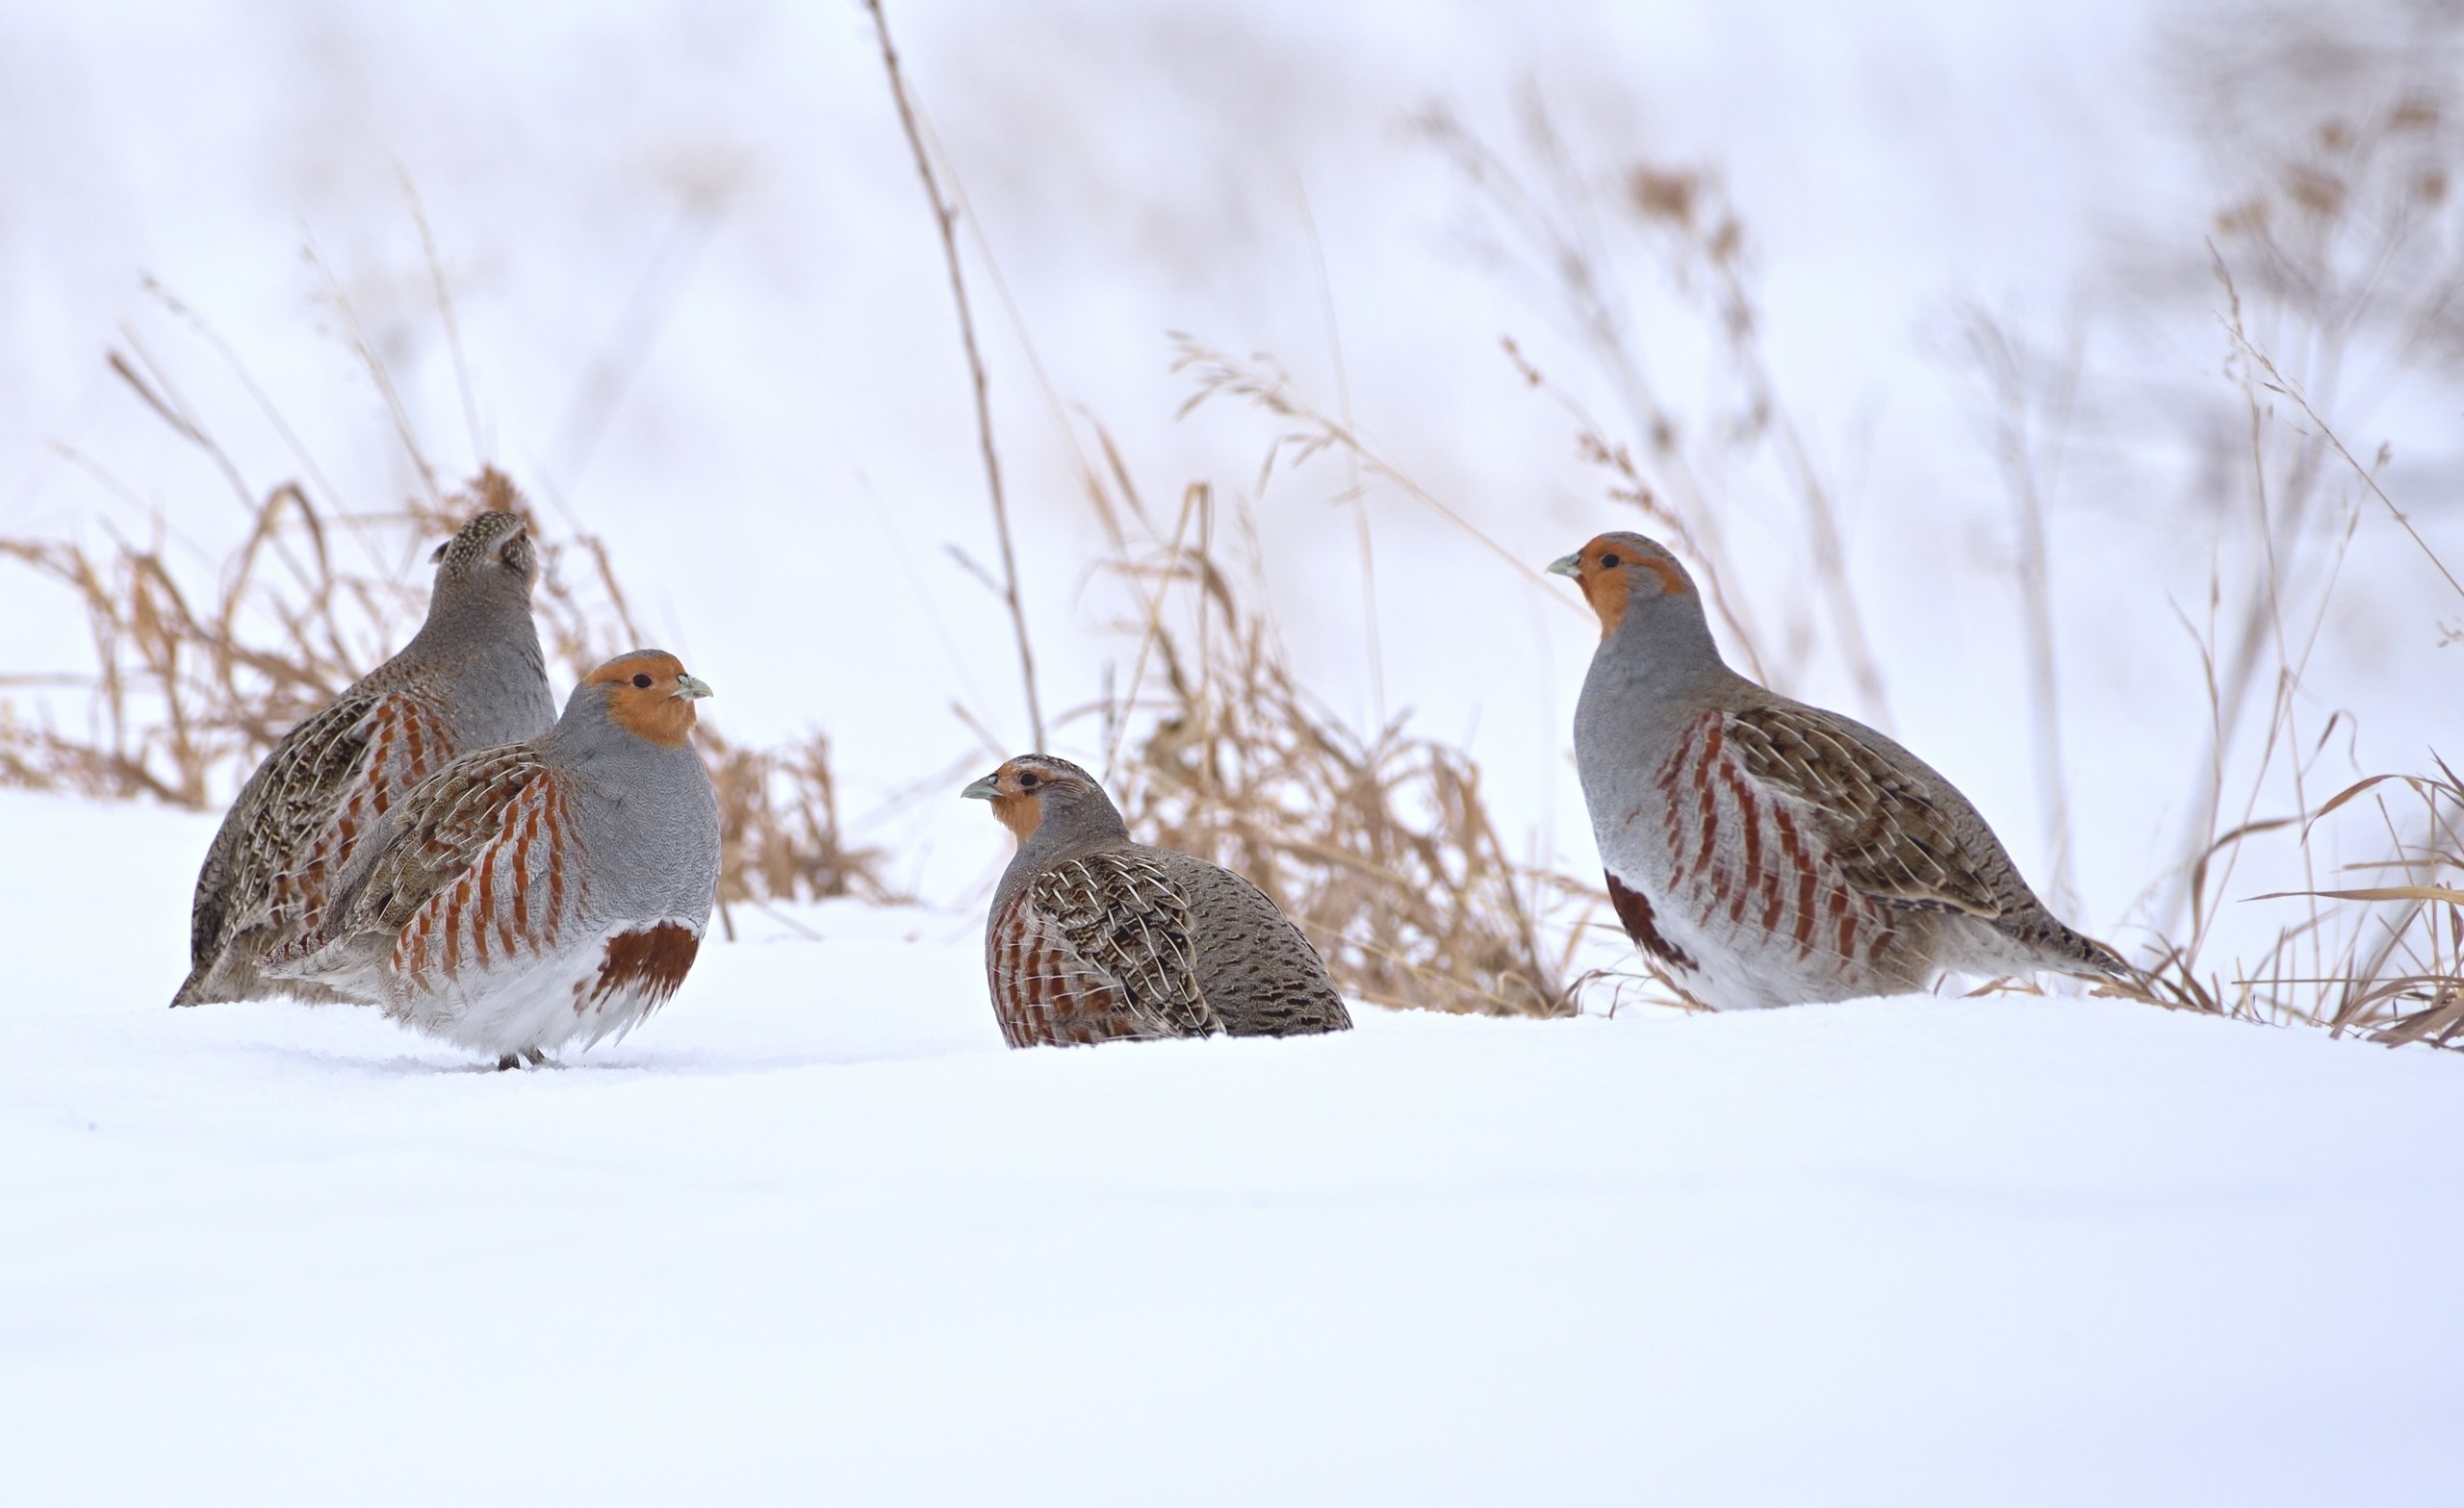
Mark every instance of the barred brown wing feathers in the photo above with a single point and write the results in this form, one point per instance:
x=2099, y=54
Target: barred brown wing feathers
x=1890, y=838
x=1094, y=949
x=509, y=876
x=399, y=741
x=1043, y=993
x=1122, y=912
x=446, y=827
x=283, y=805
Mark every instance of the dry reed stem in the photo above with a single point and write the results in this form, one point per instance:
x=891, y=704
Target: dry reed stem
x=1259, y=382
x=944, y=222
x=1232, y=760
x=1379, y=845
x=2019, y=384
x=1558, y=228
x=2388, y=960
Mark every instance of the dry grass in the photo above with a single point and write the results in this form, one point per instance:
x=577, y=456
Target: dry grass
x=779, y=826
x=2339, y=220
x=1377, y=843
x=1697, y=467
x=945, y=216
x=2387, y=958
x=2331, y=256
x=199, y=673
x=2381, y=959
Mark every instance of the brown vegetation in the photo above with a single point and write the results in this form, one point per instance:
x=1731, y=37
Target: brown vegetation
x=196, y=681
x=1377, y=843
x=2338, y=222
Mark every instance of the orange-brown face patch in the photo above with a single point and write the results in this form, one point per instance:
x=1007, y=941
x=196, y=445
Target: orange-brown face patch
x=1610, y=589
x=1019, y=809
x=1606, y=591
x=651, y=712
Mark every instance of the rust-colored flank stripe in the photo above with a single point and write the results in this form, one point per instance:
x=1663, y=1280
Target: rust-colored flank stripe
x=521, y=870
x=487, y=907
x=556, y=868
x=1709, y=799
x=1670, y=774
x=1749, y=829
x=1839, y=908
x=451, y=954
x=1791, y=857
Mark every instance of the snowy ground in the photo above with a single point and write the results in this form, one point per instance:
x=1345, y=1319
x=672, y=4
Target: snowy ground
x=812, y=1235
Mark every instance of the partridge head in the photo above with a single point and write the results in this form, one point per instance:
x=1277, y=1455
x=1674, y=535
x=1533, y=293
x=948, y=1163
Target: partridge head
x=493, y=553
x=644, y=694
x=1049, y=802
x=1641, y=592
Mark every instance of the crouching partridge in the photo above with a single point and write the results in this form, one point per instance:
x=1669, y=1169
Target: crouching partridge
x=1094, y=937
x=542, y=893
x=472, y=676
x=1765, y=853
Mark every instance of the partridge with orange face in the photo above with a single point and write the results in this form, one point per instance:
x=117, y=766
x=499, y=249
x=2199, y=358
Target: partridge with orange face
x=472, y=676
x=542, y=893
x=1094, y=938
x=1765, y=853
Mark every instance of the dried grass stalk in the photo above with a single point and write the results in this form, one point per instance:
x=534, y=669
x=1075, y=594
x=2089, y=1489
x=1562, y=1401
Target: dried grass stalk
x=2387, y=961
x=779, y=826
x=1379, y=844
x=195, y=681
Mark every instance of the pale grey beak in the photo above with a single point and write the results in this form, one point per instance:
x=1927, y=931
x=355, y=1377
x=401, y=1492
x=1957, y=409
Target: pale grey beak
x=1567, y=565
x=982, y=790
x=692, y=688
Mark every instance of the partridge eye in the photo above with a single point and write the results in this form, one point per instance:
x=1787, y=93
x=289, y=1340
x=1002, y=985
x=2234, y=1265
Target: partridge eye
x=1027, y=781
x=643, y=682
x=1608, y=561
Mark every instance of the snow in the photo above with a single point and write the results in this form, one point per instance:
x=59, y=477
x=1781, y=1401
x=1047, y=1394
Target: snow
x=812, y=1235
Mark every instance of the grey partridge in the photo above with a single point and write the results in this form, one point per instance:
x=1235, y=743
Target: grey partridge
x=472, y=676
x=1765, y=853
x=1094, y=938
x=542, y=893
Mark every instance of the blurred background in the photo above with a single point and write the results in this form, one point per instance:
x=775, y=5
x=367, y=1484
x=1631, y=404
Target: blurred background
x=2041, y=384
